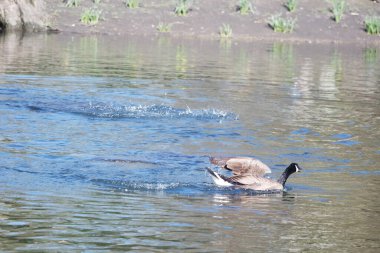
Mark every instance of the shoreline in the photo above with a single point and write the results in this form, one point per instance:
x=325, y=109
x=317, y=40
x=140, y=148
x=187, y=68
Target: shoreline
x=243, y=39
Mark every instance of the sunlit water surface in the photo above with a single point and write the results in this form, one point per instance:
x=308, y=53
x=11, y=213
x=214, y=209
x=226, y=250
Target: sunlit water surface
x=104, y=141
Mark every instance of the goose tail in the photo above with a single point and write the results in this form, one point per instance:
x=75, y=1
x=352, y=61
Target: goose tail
x=218, y=179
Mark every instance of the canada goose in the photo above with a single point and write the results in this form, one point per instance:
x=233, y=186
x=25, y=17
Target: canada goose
x=248, y=173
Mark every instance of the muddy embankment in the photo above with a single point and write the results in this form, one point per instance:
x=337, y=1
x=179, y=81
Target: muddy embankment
x=313, y=21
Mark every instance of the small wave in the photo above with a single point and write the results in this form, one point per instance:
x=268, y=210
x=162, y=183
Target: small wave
x=104, y=110
x=341, y=136
x=136, y=186
x=348, y=143
x=124, y=161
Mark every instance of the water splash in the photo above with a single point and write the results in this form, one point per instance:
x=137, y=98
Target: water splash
x=136, y=186
x=179, y=188
x=150, y=186
x=103, y=110
x=77, y=104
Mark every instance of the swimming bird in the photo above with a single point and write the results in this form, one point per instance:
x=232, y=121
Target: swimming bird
x=249, y=173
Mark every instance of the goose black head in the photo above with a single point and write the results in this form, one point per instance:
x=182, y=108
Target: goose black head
x=294, y=167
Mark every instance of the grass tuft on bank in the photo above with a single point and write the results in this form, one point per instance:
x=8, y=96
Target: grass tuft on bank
x=244, y=7
x=337, y=9
x=72, y=3
x=291, y=5
x=164, y=27
x=280, y=24
x=90, y=16
x=183, y=7
x=132, y=4
x=372, y=25
x=225, y=31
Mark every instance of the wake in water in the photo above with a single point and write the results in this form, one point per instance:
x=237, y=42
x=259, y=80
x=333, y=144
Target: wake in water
x=104, y=110
x=38, y=101
x=177, y=188
x=136, y=186
x=128, y=111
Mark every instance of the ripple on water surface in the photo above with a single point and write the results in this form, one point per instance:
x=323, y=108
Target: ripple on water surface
x=104, y=148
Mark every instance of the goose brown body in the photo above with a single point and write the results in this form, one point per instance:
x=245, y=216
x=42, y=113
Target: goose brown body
x=242, y=165
x=248, y=173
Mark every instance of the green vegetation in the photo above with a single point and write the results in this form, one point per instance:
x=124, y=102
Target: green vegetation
x=280, y=24
x=164, y=28
x=337, y=9
x=132, y=4
x=225, y=31
x=96, y=1
x=182, y=8
x=291, y=5
x=72, y=3
x=244, y=7
x=372, y=24
x=90, y=16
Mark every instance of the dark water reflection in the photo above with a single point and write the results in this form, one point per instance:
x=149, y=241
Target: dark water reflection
x=103, y=144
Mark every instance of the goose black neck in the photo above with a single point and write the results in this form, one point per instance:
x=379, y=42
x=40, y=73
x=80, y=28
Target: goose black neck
x=287, y=172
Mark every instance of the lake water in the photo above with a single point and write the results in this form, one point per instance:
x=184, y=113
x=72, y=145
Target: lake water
x=104, y=141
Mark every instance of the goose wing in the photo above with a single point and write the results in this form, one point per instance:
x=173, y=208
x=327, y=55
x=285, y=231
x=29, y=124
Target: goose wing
x=242, y=165
x=243, y=180
x=254, y=183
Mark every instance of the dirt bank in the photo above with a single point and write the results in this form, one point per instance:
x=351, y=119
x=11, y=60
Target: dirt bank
x=314, y=22
x=314, y=19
